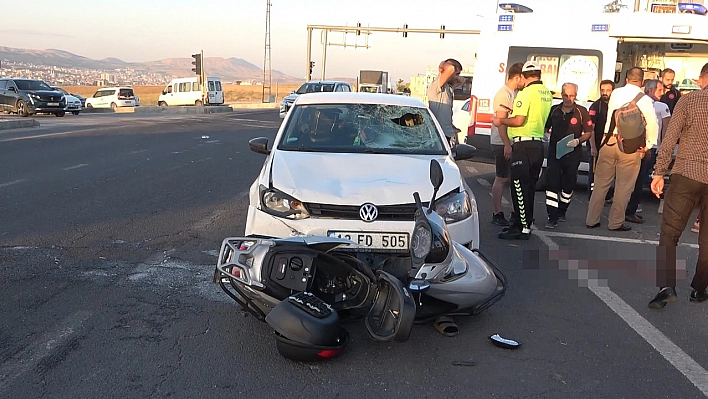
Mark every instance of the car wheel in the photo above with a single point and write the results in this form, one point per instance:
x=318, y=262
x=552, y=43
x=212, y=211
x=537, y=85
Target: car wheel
x=198, y=103
x=60, y=114
x=162, y=104
x=75, y=113
x=114, y=106
x=89, y=105
x=22, y=108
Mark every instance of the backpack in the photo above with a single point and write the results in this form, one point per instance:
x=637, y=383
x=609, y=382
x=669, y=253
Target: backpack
x=631, y=127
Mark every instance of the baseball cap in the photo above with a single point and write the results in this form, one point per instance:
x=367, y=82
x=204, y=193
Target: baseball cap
x=530, y=66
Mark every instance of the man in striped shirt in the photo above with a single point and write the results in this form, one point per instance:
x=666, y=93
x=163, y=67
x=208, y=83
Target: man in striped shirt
x=689, y=187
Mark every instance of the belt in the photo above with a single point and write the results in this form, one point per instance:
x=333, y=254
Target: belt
x=517, y=139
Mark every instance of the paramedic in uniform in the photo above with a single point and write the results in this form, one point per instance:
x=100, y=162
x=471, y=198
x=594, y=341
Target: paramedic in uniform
x=525, y=128
x=613, y=164
x=598, y=113
x=566, y=118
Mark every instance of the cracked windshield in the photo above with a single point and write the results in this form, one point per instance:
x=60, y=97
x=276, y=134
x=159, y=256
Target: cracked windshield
x=355, y=128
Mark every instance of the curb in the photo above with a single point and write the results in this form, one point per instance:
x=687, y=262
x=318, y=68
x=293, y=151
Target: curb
x=156, y=110
x=254, y=105
x=18, y=124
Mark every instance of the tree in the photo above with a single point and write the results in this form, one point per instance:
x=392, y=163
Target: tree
x=614, y=6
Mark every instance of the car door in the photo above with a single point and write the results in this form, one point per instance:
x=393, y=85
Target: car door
x=3, y=95
x=12, y=94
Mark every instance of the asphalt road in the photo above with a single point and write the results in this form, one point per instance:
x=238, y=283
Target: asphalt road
x=108, y=230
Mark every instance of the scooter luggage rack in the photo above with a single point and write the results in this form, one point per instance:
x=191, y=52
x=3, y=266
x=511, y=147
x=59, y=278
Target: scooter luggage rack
x=245, y=303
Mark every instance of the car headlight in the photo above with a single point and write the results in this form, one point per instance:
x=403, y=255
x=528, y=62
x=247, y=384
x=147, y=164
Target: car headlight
x=454, y=207
x=33, y=96
x=282, y=205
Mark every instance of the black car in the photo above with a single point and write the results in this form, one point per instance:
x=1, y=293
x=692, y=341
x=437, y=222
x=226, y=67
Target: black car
x=29, y=96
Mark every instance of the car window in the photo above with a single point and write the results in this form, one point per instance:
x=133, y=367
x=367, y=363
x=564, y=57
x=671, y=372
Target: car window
x=195, y=86
x=466, y=107
x=315, y=87
x=3, y=84
x=126, y=93
x=27, y=84
x=218, y=86
x=211, y=85
x=354, y=128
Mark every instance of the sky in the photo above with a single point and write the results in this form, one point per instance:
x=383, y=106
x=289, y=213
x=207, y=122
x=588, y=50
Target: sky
x=147, y=30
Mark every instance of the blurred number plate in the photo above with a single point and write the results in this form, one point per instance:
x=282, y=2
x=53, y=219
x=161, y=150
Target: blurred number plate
x=53, y=104
x=374, y=240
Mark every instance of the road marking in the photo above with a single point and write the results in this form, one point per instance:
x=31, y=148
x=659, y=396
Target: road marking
x=33, y=354
x=660, y=342
x=612, y=239
x=81, y=165
x=136, y=152
x=471, y=169
x=12, y=182
x=484, y=182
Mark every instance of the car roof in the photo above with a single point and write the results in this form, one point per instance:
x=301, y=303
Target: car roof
x=359, y=98
x=327, y=82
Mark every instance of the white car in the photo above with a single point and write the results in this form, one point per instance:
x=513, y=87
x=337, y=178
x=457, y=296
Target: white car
x=112, y=97
x=347, y=165
x=461, y=119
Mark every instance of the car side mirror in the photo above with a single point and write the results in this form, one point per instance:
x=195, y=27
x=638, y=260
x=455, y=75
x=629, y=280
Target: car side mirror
x=12, y=89
x=164, y=92
x=259, y=145
x=292, y=91
x=461, y=151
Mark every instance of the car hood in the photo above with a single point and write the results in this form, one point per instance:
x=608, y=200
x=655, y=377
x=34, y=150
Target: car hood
x=354, y=179
x=45, y=93
x=291, y=97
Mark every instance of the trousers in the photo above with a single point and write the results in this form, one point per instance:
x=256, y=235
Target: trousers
x=680, y=200
x=526, y=164
x=613, y=163
x=561, y=178
x=644, y=169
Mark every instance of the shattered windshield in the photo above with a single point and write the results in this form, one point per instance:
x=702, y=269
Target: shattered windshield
x=315, y=87
x=354, y=128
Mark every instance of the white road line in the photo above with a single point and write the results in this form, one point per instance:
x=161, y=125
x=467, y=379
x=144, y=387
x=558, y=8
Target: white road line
x=81, y=165
x=484, y=182
x=41, y=348
x=471, y=169
x=136, y=152
x=12, y=182
x=613, y=239
x=660, y=342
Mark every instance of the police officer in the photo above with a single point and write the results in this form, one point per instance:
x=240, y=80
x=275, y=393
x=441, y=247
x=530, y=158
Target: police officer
x=568, y=123
x=525, y=130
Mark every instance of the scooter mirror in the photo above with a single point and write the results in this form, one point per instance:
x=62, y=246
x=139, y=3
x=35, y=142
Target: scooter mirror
x=419, y=286
x=436, y=179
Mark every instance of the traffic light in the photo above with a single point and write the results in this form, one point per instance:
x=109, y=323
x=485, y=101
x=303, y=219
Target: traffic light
x=405, y=30
x=197, y=64
x=312, y=65
x=442, y=34
x=358, y=25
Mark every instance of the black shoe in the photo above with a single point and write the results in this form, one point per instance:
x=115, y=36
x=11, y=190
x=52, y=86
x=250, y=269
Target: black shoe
x=589, y=226
x=551, y=224
x=634, y=219
x=513, y=233
x=665, y=295
x=499, y=219
x=698, y=296
x=561, y=218
x=624, y=227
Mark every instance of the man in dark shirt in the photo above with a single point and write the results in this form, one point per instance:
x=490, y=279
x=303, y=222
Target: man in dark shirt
x=689, y=187
x=565, y=119
x=671, y=95
x=598, y=114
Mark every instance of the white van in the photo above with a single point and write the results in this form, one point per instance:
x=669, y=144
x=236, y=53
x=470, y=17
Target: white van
x=188, y=91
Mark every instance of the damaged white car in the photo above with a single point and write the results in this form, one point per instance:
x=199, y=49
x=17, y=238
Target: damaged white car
x=345, y=165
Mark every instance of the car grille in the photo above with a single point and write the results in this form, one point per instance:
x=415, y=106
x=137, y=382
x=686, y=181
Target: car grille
x=53, y=99
x=405, y=212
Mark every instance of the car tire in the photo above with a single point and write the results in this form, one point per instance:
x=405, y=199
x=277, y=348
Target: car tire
x=89, y=105
x=114, y=106
x=162, y=104
x=198, y=103
x=60, y=114
x=22, y=109
x=75, y=113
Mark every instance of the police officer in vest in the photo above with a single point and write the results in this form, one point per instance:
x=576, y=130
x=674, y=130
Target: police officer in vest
x=525, y=130
x=570, y=125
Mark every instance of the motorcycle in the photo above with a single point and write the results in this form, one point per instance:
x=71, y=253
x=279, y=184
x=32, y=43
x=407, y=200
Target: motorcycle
x=301, y=285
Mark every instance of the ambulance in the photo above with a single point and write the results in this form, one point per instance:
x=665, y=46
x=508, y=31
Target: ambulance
x=584, y=51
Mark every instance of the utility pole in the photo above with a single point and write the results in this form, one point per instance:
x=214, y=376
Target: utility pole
x=267, y=77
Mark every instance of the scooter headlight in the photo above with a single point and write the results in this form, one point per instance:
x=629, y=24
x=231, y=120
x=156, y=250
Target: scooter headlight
x=421, y=241
x=282, y=205
x=454, y=207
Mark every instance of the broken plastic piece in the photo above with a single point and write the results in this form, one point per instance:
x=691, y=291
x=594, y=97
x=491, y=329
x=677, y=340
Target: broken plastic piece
x=504, y=343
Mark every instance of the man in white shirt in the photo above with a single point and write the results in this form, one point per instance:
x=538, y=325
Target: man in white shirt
x=613, y=164
x=654, y=89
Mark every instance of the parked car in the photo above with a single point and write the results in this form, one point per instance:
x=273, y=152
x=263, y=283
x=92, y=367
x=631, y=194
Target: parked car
x=30, y=96
x=112, y=97
x=81, y=98
x=73, y=103
x=345, y=165
x=188, y=91
x=314, y=86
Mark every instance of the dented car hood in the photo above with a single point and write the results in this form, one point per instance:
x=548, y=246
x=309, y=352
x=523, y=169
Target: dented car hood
x=354, y=179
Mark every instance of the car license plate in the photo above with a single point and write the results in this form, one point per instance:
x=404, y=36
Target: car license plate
x=398, y=241
x=53, y=104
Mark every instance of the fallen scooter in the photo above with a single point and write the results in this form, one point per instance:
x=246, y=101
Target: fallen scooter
x=301, y=285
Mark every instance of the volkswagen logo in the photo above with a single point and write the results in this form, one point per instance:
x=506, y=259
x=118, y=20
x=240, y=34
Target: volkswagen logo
x=368, y=212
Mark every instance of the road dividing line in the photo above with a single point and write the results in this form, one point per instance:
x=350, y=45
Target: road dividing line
x=612, y=239
x=81, y=165
x=12, y=182
x=660, y=342
x=40, y=349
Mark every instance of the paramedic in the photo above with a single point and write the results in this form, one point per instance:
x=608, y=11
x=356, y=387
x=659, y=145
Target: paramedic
x=672, y=95
x=565, y=119
x=525, y=128
x=613, y=163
